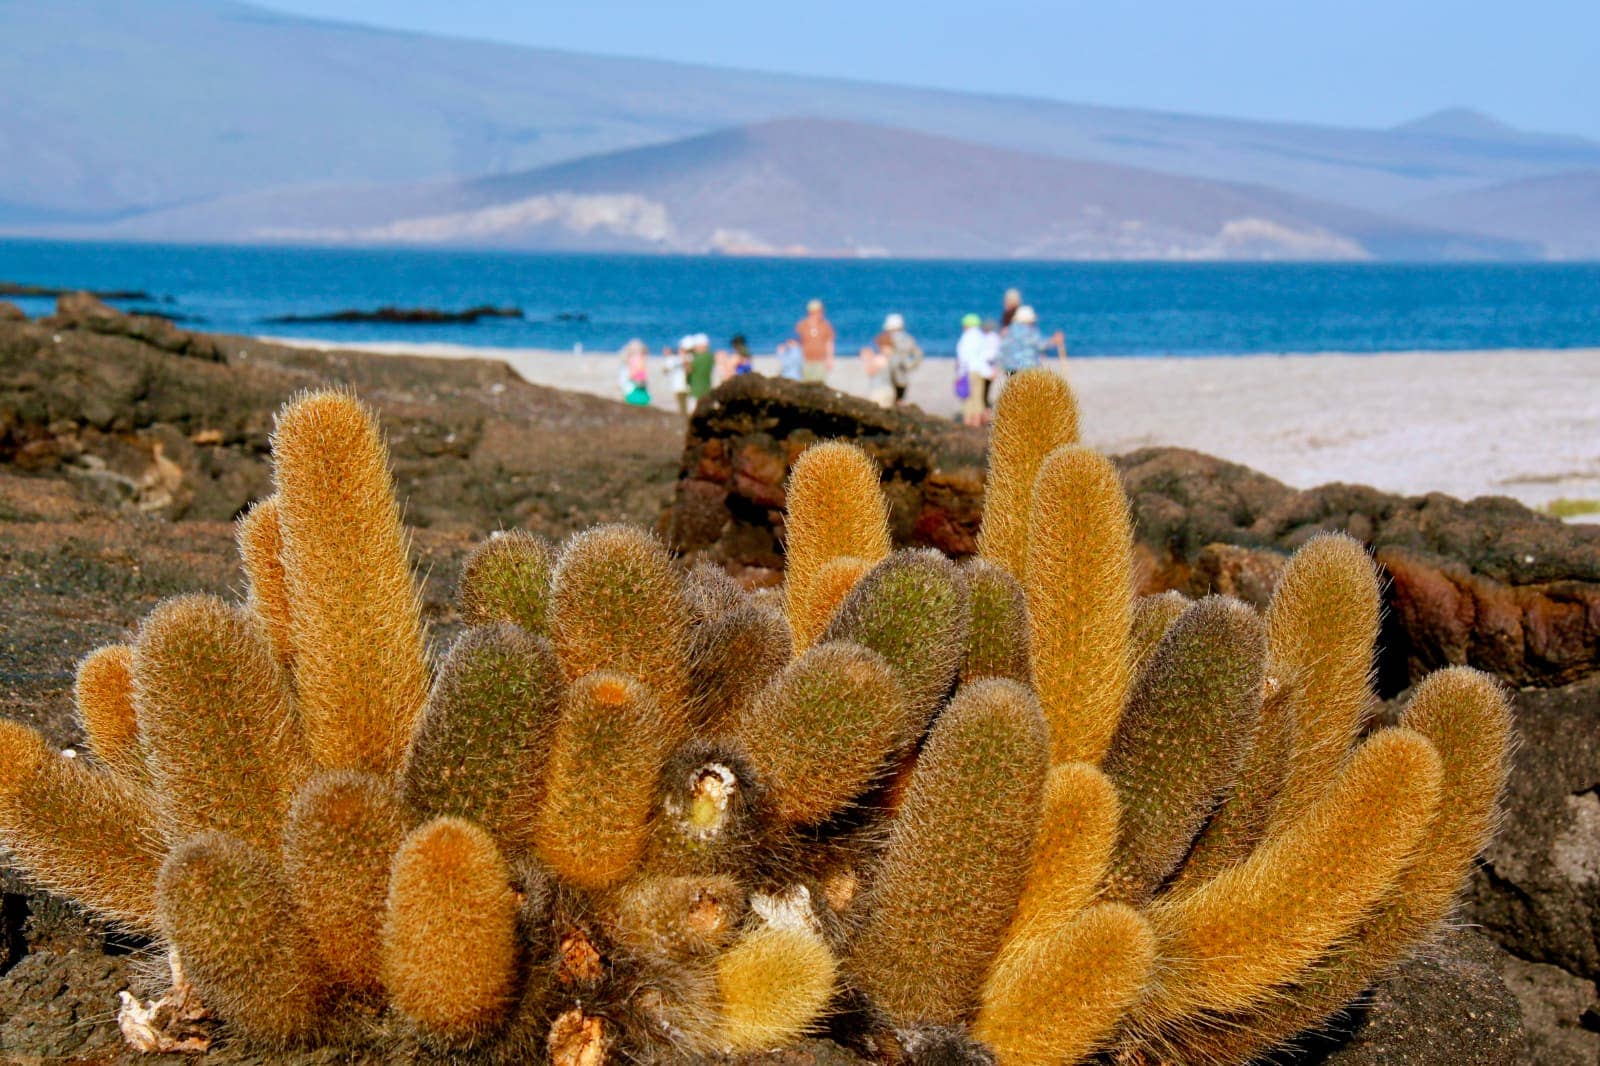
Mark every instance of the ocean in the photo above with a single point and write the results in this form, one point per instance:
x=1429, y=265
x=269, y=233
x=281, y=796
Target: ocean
x=599, y=302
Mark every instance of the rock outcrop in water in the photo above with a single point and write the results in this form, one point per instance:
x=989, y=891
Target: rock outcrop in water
x=408, y=316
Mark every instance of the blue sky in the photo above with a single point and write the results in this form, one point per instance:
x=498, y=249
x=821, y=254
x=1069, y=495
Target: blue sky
x=1533, y=63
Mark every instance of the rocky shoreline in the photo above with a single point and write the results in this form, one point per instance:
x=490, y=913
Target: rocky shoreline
x=127, y=445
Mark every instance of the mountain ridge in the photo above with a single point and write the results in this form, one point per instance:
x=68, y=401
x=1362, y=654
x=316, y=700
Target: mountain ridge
x=158, y=103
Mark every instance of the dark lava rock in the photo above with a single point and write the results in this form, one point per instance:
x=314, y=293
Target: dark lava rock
x=1486, y=582
x=1538, y=889
x=1446, y=1007
x=142, y=417
x=408, y=316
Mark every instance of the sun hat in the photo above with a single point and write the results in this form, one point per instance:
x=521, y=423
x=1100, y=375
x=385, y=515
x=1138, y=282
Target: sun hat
x=686, y=343
x=814, y=305
x=1025, y=313
x=894, y=322
x=970, y=321
x=702, y=340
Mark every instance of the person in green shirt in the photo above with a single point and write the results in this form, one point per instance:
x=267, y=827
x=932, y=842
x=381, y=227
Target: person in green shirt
x=701, y=365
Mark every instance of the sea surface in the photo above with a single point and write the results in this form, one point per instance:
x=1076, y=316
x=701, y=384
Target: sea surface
x=599, y=302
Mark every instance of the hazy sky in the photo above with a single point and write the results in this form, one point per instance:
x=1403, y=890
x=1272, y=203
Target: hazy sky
x=1533, y=63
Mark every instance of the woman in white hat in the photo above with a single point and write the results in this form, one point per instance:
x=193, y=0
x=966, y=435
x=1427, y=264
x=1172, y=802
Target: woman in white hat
x=905, y=355
x=1023, y=346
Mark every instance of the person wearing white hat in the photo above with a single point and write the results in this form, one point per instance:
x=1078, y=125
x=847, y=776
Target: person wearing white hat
x=677, y=370
x=905, y=355
x=1022, y=346
x=816, y=343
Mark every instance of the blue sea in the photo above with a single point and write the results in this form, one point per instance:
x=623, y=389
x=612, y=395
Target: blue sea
x=599, y=302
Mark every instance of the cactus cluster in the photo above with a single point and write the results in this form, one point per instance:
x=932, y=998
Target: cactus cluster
x=1005, y=811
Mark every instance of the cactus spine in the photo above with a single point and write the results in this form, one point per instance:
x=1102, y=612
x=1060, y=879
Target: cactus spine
x=1073, y=853
x=600, y=780
x=360, y=665
x=480, y=743
x=1229, y=942
x=997, y=638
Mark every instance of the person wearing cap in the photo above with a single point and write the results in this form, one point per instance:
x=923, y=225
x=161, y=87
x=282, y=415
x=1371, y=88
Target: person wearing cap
x=905, y=356
x=816, y=343
x=1022, y=346
x=677, y=370
x=975, y=363
x=702, y=364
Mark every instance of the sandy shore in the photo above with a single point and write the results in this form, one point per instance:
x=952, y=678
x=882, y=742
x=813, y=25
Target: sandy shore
x=1515, y=423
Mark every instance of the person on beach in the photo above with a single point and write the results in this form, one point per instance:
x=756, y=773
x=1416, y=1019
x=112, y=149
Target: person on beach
x=634, y=377
x=1022, y=346
x=974, y=362
x=905, y=356
x=816, y=343
x=677, y=370
x=875, y=362
x=702, y=363
x=738, y=361
x=991, y=362
x=791, y=360
x=1009, y=308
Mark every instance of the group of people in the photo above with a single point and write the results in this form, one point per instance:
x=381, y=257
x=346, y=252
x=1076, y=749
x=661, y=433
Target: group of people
x=987, y=350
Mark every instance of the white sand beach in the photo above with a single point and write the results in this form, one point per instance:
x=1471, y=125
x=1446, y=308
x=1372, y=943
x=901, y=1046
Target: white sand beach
x=1518, y=423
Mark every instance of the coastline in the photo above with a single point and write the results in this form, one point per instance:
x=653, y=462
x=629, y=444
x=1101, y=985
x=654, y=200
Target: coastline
x=1523, y=423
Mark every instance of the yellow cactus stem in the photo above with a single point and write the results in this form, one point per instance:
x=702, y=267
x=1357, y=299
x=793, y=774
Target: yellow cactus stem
x=341, y=836
x=732, y=658
x=1226, y=945
x=226, y=910
x=600, y=781
x=1182, y=738
x=956, y=860
x=1080, y=601
x=1465, y=715
x=823, y=732
x=449, y=949
x=774, y=984
x=360, y=660
x=835, y=510
x=1035, y=415
x=825, y=595
x=997, y=637
x=1073, y=854
x=1241, y=822
x=620, y=605
x=82, y=832
x=507, y=579
x=224, y=744
x=260, y=541
x=1058, y=998
x=1152, y=617
x=103, y=692
x=1322, y=625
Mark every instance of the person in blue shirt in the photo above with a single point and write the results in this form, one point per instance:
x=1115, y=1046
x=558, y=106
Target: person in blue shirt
x=1022, y=346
